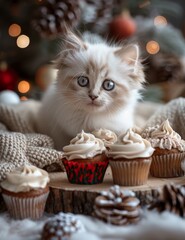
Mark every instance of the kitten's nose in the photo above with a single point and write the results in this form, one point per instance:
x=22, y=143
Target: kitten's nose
x=93, y=97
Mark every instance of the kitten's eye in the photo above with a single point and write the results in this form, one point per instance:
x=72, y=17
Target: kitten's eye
x=108, y=85
x=83, y=81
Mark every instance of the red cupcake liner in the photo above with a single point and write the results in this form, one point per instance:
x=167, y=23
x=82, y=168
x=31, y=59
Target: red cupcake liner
x=85, y=173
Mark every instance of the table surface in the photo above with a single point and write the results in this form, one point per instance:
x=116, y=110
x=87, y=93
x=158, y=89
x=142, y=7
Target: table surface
x=59, y=181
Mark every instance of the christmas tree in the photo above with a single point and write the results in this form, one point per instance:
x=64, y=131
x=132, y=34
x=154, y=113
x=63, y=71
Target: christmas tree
x=31, y=34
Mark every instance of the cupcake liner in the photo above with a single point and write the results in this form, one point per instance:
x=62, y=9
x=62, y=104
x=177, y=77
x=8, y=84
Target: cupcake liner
x=130, y=173
x=167, y=166
x=22, y=207
x=85, y=173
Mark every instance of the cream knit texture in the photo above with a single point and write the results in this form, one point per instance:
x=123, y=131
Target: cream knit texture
x=174, y=111
x=20, y=144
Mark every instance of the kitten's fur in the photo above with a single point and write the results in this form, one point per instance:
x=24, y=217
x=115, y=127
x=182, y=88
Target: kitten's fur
x=68, y=108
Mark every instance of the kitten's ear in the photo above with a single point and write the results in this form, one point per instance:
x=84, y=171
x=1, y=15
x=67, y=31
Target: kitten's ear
x=129, y=54
x=73, y=42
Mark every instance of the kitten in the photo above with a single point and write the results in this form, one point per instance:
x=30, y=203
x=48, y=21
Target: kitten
x=97, y=87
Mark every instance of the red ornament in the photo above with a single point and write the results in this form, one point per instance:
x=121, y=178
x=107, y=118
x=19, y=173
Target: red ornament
x=122, y=27
x=8, y=78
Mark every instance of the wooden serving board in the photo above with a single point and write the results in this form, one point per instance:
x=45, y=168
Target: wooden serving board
x=79, y=199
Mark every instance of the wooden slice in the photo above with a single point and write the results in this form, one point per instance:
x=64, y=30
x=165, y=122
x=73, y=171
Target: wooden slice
x=79, y=199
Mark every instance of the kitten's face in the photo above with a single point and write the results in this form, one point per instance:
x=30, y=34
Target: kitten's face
x=97, y=79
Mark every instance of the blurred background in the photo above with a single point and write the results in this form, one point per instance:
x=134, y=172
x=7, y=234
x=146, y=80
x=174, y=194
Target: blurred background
x=31, y=31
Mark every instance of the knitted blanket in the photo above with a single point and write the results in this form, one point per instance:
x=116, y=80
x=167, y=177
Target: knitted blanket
x=174, y=111
x=20, y=144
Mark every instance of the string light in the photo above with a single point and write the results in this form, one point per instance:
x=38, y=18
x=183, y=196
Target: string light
x=160, y=20
x=23, y=86
x=23, y=41
x=14, y=30
x=144, y=4
x=152, y=47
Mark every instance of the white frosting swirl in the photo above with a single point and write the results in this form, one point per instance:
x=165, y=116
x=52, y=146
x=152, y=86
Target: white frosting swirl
x=107, y=136
x=130, y=145
x=26, y=178
x=165, y=137
x=84, y=145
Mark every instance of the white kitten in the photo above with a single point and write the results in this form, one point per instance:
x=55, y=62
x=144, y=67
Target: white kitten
x=97, y=87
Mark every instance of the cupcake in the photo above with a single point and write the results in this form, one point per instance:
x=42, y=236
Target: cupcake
x=25, y=192
x=130, y=159
x=84, y=159
x=169, y=150
x=107, y=136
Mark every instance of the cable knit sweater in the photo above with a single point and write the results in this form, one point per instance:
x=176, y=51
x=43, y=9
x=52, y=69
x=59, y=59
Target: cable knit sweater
x=19, y=144
x=174, y=111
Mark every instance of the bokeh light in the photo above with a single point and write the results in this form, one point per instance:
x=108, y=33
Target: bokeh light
x=23, y=41
x=160, y=20
x=14, y=30
x=144, y=4
x=152, y=47
x=23, y=86
x=23, y=98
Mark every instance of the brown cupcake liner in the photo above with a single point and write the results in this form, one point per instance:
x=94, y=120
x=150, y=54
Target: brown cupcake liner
x=130, y=173
x=21, y=208
x=167, y=166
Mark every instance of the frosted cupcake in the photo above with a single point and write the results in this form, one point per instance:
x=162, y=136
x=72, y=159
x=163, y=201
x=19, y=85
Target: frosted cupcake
x=84, y=159
x=130, y=159
x=25, y=191
x=169, y=150
x=107, y=136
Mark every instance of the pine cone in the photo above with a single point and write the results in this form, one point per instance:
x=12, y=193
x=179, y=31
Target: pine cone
x=97, y=15
x=52, y=16
x=117, y=206
x=170, y=198
x=62, y=226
